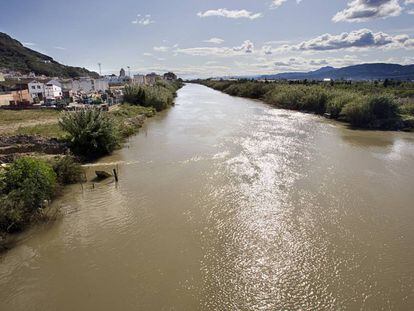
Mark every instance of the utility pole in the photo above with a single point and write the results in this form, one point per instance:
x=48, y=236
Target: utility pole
x=100, y=70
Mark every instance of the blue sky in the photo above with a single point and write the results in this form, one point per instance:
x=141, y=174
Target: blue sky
x=198, y=38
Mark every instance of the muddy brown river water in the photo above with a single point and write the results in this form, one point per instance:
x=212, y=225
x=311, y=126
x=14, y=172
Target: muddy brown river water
x=226, y=203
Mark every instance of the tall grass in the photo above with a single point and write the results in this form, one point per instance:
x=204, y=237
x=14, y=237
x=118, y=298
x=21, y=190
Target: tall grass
x=160, y=96
x=366, y=105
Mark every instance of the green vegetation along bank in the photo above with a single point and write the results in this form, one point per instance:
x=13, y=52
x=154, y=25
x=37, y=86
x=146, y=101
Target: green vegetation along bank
x=30, y=182
x=384, y=105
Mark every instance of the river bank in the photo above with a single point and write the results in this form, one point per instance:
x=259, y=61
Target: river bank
x=85, y=135
x=366, y=105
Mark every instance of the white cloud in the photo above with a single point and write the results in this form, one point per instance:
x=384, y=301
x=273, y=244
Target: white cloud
x=409, y=1
x=247, y=47
x=29, y=44
x=214, y=41
x=411, y=12
x=161, y=48
x=363, y=38
x=143, y=20
x=230, y=14
x=277, y=3
x=59, y=48
x=147, y=54
x=267, y=50
x=365, y=10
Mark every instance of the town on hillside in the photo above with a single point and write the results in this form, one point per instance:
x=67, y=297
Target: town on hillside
x=28, y=91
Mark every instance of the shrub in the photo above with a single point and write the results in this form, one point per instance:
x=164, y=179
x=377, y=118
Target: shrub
x=373, y=112
x=286, y=97
x=383, y=107
x=134, y=95
x=25, y=185
x=34, y=180
x=356, y=113
x=314, y=99
x=338, y=100
x=67, y=170
x=92, y=132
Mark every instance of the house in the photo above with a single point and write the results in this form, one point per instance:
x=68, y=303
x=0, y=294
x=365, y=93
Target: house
x=15, y=96
x=138, y=79
x=114, y=80
x=83, y=85
x=53, y=90
x=170, y=76
x=151, y=78
x=36, y=90
x=100, y=85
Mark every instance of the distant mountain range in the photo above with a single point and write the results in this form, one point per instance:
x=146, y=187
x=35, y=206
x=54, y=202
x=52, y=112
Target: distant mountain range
x=378, y=71
x=14, y=56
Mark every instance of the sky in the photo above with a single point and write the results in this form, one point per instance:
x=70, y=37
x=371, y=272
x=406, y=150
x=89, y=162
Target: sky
x=200, y=38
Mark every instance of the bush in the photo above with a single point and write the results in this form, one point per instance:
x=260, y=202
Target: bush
x=337, y=102
x=286, y=97
x=25, y=185
x=160, y=96
x=92, y=132
x=373, y=112
x=67, y=170
x=356, y=113
x=314, y=99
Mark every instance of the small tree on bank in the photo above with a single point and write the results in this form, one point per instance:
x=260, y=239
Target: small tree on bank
x=92, y=132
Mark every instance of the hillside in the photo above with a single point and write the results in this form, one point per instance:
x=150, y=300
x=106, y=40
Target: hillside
x=14, y=56
x=378, y=71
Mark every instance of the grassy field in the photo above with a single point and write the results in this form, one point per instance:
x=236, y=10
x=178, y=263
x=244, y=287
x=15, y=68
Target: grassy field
x=29, y=122
x=8, y=117
x=51, y=130
x=45, y=122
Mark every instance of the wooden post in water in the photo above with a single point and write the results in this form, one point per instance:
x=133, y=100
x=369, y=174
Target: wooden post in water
x=115, y=175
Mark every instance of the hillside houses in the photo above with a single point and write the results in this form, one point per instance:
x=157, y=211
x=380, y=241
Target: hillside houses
x=32, y=90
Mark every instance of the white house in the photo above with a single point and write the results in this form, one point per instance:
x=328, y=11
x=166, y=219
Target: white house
x=83, y=85
x=36, y=90
x=53, y=90
x=100, y=85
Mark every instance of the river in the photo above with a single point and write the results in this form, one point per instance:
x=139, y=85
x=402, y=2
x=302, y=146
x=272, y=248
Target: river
x=226, y=203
